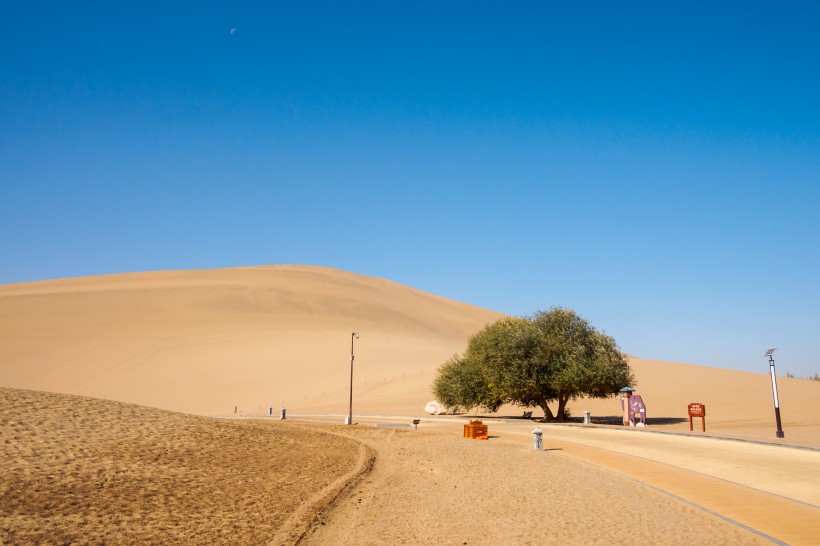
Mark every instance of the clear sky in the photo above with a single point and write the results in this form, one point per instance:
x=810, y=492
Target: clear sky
x=653, y=165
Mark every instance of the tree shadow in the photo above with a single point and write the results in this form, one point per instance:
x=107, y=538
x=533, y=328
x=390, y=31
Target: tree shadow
x=666, y=420
x=617, y=420
x=613, y=420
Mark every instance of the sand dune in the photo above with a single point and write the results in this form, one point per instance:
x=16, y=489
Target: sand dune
x=207, y=342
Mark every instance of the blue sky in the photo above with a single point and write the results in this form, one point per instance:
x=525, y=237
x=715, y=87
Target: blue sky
x=654, y=166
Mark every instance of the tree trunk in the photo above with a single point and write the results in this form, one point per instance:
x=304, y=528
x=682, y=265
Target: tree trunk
x=547, y=411
x=562, y=405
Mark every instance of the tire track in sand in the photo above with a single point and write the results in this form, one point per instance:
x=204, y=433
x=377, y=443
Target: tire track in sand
x=302, y=520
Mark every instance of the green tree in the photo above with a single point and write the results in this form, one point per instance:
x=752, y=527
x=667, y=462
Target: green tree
x=461, y=384
x=552, y=356
x=581, y=360
x=509, y=353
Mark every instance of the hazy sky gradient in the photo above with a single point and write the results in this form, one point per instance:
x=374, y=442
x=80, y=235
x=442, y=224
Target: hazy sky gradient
x=655, y=167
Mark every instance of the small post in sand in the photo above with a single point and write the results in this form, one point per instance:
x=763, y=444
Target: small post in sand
x=538, y=438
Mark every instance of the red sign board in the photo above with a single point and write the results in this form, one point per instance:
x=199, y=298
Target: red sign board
x=696, y=409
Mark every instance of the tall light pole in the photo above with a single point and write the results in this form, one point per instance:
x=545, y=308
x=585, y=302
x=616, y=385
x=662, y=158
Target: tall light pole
x=770, y=354
x=349, y=421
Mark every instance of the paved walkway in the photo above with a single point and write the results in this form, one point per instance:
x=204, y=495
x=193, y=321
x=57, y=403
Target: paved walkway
x=771, y=490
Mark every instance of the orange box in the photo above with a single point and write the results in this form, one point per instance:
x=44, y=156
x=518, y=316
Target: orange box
x=476, y=430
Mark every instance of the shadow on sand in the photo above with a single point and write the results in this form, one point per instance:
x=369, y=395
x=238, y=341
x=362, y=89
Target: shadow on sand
x=617, y=420
x=614, y=420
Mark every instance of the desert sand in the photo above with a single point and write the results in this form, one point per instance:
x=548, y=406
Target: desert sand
x=234, y=342
x=86, y=471
x=205, y=342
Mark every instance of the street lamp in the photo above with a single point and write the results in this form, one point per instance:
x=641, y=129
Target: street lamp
x=769, y=353
x=349, y=420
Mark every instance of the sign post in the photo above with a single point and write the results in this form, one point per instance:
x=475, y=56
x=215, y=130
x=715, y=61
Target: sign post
x=696, y=409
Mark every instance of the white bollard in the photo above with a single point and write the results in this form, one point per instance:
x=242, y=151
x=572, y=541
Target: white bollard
x=587, y=419
x=537, y=439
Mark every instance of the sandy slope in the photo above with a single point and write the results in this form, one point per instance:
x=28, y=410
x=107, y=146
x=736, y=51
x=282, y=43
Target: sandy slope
x=206, y=342
x=84, y=471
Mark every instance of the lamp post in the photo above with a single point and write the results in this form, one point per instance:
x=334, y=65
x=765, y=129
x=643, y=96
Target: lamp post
x=349, y=421
x=769, y=353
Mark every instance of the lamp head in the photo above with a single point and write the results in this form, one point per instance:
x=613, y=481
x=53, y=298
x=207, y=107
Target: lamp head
x=356, y=334
x=771, y=351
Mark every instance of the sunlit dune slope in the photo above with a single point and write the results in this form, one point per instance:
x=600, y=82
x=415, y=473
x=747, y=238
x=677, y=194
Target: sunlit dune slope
x=210, y=341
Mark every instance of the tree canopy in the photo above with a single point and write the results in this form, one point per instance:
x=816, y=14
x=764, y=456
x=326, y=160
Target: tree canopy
x=550, y=357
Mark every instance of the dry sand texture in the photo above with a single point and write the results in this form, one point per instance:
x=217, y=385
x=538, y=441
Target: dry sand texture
x=84, y=471
x=429, y=488
x=206, y=341
x=772, y=489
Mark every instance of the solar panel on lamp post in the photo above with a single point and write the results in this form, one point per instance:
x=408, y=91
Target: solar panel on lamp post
x=354, y=335
x=770, y=354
